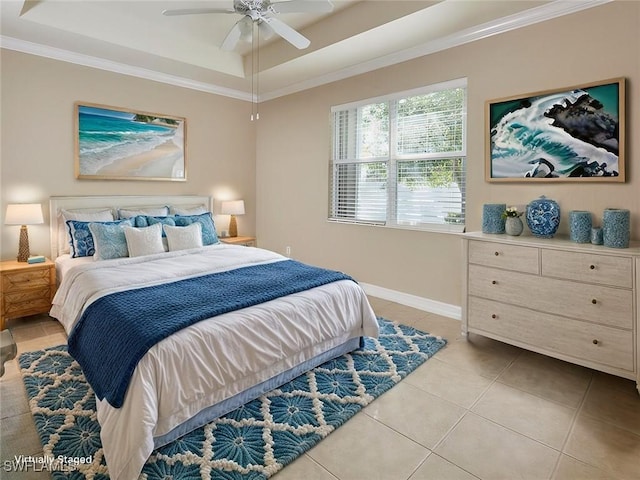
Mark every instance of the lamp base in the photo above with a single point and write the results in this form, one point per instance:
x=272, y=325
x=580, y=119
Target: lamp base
x=23, y=247
x=233, y=226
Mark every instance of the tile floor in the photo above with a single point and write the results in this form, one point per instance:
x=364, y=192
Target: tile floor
x=478, y=410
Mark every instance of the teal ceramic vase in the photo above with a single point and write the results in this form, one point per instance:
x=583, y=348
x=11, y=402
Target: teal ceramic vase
x=580, y=226
x=616, y=228
x=492, y=220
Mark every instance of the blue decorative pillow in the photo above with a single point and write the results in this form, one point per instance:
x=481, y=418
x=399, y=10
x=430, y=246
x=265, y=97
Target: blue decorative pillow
x=81, y=243
x=109, y=239
x=142, y=221
x=209, y=236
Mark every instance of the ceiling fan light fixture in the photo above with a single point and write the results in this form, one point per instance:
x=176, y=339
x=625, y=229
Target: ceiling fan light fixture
x=266, y=32
x=246, y=28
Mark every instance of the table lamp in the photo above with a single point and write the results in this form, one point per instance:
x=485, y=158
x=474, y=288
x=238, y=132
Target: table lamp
x=23, y=214
x=233, y=208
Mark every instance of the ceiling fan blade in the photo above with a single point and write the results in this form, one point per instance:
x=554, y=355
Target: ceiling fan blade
x=303, y=6
x=196, y=11
x=289, y=34
x=233, y=37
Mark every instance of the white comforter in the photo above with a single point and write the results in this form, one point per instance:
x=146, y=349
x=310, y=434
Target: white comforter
x=212, y=360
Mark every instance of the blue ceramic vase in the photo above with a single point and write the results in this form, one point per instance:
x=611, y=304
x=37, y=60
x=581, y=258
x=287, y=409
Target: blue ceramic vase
x=616, y=228
x=596, y=236
x=492, y=220
x=580, y=226
x=543, y=217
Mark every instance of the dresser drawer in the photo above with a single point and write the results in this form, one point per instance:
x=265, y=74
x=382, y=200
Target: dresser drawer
x=35, y=300
x=586, y=267
x=33, y=278
x=499, y=255
x=582, y=340
x=582, y=301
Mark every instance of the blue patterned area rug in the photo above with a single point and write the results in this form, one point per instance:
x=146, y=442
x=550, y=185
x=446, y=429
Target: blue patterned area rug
x=253, y=442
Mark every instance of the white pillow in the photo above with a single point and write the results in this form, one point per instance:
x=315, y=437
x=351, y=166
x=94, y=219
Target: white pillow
x=191, y=210
x=144, y=241
x=182, y=238
x=129, y=212
x=82, y=215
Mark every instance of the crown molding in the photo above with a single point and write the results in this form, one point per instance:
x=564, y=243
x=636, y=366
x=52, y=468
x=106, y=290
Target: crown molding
x=54, y=53
x=532, y=16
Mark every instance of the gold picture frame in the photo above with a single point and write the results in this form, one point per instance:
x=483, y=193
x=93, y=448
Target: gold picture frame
x=573, y=134
x=114, y=143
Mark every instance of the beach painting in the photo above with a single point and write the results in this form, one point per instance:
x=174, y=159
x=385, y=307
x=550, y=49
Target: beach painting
x=119, y=144
x=569, y=134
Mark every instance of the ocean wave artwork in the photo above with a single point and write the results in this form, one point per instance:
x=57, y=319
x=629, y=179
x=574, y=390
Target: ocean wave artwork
x=120, y=144
x=565, y=134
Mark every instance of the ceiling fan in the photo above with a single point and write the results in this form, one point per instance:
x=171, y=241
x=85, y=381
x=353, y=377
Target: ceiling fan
x=261, y=12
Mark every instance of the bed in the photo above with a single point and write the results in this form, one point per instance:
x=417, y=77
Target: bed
x=242, y=348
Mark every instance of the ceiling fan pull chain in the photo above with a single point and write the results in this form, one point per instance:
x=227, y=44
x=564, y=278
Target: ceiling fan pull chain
x=258, y=72
x=253, y=54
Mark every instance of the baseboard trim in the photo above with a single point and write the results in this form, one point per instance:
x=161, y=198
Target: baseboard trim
x=421, y=303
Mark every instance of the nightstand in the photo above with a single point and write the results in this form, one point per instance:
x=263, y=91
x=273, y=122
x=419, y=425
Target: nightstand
x=25, y=288
x=244, y=241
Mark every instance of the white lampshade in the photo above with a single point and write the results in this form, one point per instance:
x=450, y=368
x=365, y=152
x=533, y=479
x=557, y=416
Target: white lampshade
x=234, y=207
x=24, y=214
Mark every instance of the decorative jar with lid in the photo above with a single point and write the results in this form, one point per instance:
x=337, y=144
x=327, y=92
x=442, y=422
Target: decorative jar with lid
x=543, y=217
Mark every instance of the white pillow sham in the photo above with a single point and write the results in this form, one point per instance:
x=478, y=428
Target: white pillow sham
x=81, y=215
x=154, y=211
x=183, y=238
x=144, y=240
x=190, y=210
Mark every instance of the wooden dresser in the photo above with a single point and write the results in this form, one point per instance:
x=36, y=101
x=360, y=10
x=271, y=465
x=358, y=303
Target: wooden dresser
x=25, y=289
x=575, y=302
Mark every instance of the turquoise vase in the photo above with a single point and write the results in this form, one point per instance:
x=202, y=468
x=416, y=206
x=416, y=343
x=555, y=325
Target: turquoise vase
x=580, y=226
x=492, y=220
x=616, y=228
x=596, y=236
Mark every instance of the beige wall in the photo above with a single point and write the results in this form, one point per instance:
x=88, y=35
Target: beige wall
x=289, y=198
x=293, y=148
x=37, y=139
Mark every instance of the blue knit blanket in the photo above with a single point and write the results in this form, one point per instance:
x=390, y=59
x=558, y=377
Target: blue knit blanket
x=115, y=331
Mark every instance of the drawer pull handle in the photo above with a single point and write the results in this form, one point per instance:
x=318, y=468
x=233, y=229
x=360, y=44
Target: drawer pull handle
x=594, y=301
x=494, y=282
x=497, y=253
x=592, y=267
x=595, y=342
x=493, y=315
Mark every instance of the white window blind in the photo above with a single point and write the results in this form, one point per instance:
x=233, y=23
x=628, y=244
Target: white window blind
x=400, y=160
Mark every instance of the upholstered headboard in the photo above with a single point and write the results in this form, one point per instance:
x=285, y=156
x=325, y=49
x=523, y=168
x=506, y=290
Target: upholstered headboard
x=93, y=203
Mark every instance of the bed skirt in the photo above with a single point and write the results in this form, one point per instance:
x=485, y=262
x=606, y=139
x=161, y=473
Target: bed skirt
x=218, y=410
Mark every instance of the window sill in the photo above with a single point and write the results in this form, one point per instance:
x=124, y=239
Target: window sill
x=456, y=229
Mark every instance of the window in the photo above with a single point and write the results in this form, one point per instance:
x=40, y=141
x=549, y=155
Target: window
x=400, y=160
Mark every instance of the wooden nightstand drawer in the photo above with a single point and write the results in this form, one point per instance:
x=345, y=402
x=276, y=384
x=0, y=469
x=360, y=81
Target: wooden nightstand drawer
x=21, y=303
x=13, y=281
